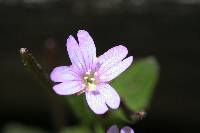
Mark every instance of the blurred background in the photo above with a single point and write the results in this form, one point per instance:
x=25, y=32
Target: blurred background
x=166, y=29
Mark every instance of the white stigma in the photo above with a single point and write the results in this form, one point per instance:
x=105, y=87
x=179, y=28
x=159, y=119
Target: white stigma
x=85, y=78
x=93, y=79
x=90, y=80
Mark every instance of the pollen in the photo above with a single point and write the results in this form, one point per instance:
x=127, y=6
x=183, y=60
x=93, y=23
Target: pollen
x=93, y=79
x=85, y=78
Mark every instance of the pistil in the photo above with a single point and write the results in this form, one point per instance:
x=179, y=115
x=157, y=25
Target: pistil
x=90, y=80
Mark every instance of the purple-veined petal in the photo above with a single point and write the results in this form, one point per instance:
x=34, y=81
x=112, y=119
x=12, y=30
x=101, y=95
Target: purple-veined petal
x=63, y=73
x=75, y=53
x=111, y=57
x=87, y=47
x=111, y=96
x=116, y=70
x=126, y=129
x=113, y=129
x=96, y=102
x=68, y=88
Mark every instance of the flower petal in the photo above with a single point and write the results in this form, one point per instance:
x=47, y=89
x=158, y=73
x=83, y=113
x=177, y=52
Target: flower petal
x=96, y=102
x=116, y=70
x=111, y=57
x=75, y=53
x=68, y=88
x=110, y=95
x=87, y=47
x=63, y=73
x=113, y=129
x=126, y=129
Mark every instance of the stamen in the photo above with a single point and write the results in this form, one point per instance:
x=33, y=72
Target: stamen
x=85, y=78
x=95, y=74
x=93, y=79
x=89, y=81
x=88, y=72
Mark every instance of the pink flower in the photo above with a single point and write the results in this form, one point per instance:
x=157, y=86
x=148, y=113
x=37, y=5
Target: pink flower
x=90, y=74
x=115, y=129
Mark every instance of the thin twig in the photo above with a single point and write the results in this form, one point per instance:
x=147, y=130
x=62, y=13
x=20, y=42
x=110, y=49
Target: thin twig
x=33, y=65
x=56, y=107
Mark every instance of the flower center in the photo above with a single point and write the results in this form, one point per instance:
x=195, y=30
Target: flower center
x=90, y=80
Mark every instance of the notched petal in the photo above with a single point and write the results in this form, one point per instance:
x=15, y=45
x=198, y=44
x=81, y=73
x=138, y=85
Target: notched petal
x=96, y=102
x=75, y=54
x=111, y=57
x=117, y=53
x=68, y=88
x=117, y=69
x=110, y=95
x=62, y=74
x=87, y=47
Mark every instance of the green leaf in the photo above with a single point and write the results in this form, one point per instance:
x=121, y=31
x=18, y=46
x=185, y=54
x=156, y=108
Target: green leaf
x=99, y=129
x=137, y=84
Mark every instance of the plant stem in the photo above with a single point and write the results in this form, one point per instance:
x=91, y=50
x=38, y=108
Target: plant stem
x=55, y=102
x=32, y=65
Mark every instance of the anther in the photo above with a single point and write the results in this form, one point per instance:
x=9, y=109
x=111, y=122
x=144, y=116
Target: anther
x=95, y=74
x=88, y=72
x=93, y=79
x=85, y=78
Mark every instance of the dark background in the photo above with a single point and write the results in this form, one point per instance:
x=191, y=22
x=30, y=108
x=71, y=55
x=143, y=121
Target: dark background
x=168, y=30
